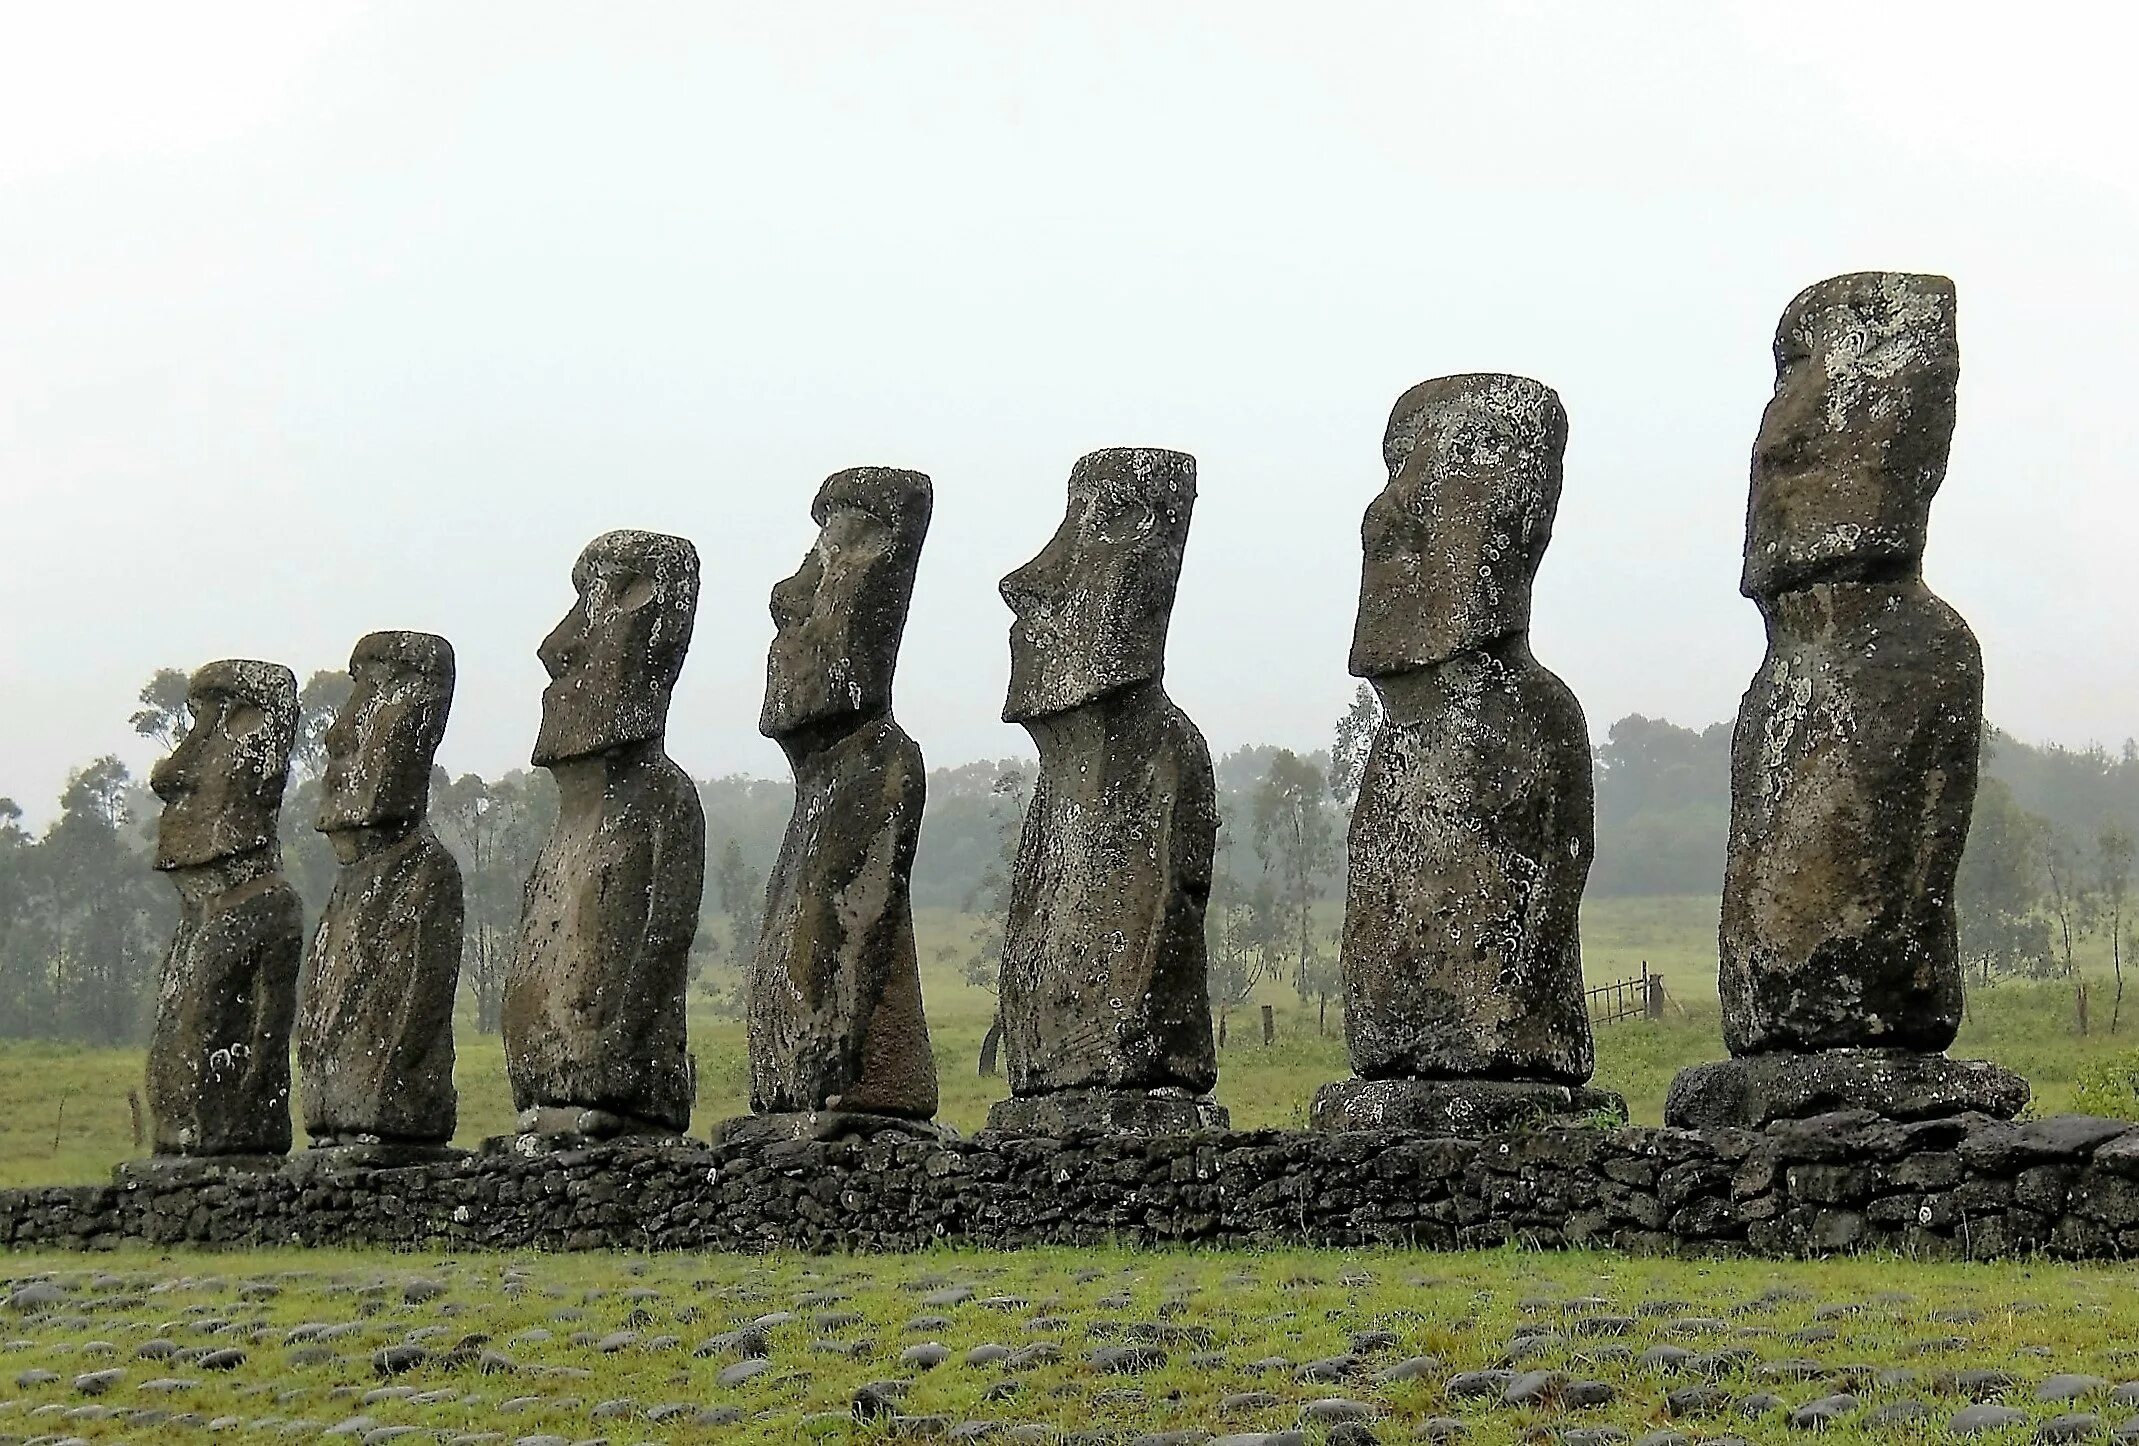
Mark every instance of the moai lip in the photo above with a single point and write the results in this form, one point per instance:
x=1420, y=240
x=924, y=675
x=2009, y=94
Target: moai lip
x=375, y=1024
x=837, y=1035
x=1105, y=992
x=218, y=1080
x=1472, y=836
x=593, y=1015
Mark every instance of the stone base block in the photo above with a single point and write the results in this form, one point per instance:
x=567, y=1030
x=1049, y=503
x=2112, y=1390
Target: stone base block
x=368, y=1155
x=163, y=1171
x=1752, y=1091
x=1456, y=1106
x=586, y=1123
x=823, y=1125
x=1108, y=1111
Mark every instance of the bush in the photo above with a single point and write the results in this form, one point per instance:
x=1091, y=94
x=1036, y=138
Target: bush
x=2109, y=1086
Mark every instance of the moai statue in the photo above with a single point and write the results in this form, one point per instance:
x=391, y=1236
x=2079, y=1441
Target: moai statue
x=838, y=1041
x=375, y=1022
x=1105, y=999
x=1471, y=838
x=1853, y=767
x=593, y=1017
x=219, y=1055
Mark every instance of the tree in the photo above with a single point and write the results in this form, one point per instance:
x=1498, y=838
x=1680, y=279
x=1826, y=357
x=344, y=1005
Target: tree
x=989, y=901
x=2114, y=852
x=495, y=830
x=1246, y=938
x=1998, y=896
x=318, y=702
x=1294, y=838
x=163, y=715
x=2069, y=896
x=740, y=890
x=1355, y=737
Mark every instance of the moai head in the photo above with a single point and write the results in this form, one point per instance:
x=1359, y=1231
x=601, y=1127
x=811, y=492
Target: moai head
x=380, y=748
x=1853, y=444
x=1092, y=609
x=222, y=785
x=614, y=659
x=1454, y=540
x=838, y=619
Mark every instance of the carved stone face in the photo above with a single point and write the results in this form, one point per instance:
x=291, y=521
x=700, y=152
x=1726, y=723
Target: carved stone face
x=380, y=747
x=614, y=658
x=1092, y=609
x=1452, y=543
x=1853, y=444
x=838, y=619
x=222, y=786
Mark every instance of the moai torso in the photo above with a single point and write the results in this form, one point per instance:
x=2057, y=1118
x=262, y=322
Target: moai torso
x=593, y=1017
x=1105, y=971
x=1471, y=839
x=835, y=1016
x=218, y=1079
x=1104, y=974
x=1853, y=765
x=375, y=1026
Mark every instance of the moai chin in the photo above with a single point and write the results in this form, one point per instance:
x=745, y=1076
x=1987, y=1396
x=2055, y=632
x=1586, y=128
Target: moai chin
x=375, y=1022
x=219, y=1054
x=1853, y=765
x=838, y=1040
x=593, y=1015
x=1471, y=838
x=1105, y=999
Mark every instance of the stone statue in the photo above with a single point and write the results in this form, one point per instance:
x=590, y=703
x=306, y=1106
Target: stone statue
x=375, y=1026
x=219, y=1055
x=838, y=1041
x=593, y=1017
x=1853, y=766
x=1472, y=835
x=1105, y=1001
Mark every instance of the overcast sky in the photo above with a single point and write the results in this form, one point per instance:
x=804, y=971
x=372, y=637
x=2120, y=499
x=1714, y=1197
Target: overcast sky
x=315, y=320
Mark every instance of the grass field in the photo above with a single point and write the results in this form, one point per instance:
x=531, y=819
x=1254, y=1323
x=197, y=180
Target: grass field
x=780, y=1348
x=64, y=1115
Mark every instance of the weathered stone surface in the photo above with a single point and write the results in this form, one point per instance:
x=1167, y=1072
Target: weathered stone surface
x=1104, y=968
x=219, y=1055
x=1853, y=767
x=835, y=1017
x=1065, y=1113
x=593, y=1016
x=375, y=1024
x=1898, y=1084
x=1471, y=840
x=1455, y=1106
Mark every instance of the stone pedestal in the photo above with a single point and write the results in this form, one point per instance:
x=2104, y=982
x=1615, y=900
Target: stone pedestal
x=1108, y=1111
x=1464, y=1107
x=164, y=1171
x=331, y=1158
x=823, y=1125
x=1899, y=1084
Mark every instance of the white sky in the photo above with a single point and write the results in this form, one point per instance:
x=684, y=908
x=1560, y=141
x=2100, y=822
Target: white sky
x=315, y=320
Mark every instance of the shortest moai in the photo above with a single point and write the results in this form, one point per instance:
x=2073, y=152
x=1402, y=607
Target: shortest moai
x=838, y=1041
x=593, y=1019
x=1472, y=836
x=1105, y=992
x=375, y=1016
x=219, y=1053
x=1853, y=765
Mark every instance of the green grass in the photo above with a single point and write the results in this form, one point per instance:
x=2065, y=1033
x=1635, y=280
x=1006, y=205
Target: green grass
x=64, y=1116
x=1462, y=1309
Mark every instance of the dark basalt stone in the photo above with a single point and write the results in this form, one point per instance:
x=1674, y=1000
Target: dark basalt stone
x=1456, y=1106
x=835, y=1017
x=1897, y=1084
x=821, y=1125
x=1066, y=1113
x=375, y=1026
x=218, y=1080
x=1104, y=984
x=593, y=1016
x=1472, y=837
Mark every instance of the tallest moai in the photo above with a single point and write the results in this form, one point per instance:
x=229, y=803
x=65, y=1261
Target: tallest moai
x=1853, y=766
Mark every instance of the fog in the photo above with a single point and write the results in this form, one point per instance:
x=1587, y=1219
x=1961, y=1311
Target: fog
x=315, y=320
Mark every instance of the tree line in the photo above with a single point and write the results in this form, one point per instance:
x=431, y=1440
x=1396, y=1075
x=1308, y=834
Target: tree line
x=84, y=921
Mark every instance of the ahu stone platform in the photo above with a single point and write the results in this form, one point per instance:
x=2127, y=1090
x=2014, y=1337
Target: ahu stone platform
x=1963, y=1186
